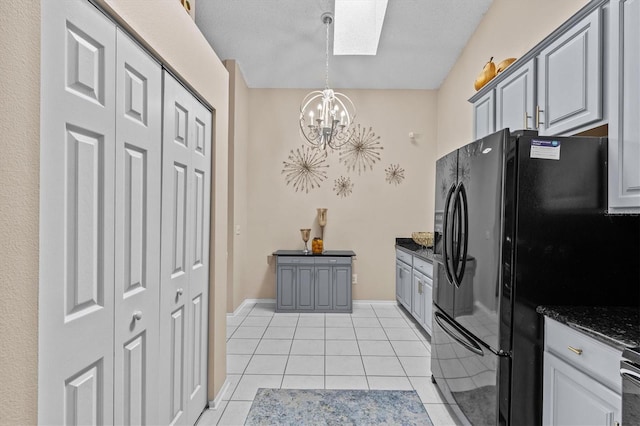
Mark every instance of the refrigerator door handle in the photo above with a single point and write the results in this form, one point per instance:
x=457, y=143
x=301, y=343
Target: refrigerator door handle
x=458, y=222
x=458, y=335
x=446, y=234
x=464, y=225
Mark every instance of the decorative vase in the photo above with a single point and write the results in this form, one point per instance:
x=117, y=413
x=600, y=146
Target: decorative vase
x=322, y=221
x=317, y=245
x=305, y=233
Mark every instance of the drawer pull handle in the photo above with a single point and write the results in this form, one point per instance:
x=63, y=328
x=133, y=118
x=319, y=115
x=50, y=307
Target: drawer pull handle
x=576, y=351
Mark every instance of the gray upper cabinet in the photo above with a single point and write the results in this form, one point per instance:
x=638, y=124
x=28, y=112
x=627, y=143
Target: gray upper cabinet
x=624, y=106
x=570, y=79
x=585, y=74
x=484, y=116
x=515, y=100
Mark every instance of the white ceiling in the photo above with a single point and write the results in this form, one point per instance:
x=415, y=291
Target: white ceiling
x=281, y=43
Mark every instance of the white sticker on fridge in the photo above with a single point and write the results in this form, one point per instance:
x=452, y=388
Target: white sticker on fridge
x=546, y=150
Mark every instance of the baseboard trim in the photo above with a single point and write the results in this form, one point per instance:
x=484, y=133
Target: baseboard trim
x=213, y=405
x=375, y=302
x=246, y=302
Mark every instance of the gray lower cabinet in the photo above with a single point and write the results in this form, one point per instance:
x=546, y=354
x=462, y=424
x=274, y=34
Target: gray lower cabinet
x=574, y=398
x=286, y=285
x=313, y=284
x=414, y=287
x=305, y=288
x=323, y=291
x=428, y=304
x=403, y=284
x=582, y=383
x=341, y=288
x=417, y=307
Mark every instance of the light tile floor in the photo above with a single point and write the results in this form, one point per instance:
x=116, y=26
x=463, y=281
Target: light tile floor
x=378, y=346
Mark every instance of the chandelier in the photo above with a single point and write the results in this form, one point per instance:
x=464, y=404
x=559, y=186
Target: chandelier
x=326, y=116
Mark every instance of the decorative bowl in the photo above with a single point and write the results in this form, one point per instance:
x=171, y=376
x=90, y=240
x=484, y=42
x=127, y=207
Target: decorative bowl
x=423, y=238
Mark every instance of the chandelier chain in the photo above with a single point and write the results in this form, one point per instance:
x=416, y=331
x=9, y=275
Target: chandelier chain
x=326, y=81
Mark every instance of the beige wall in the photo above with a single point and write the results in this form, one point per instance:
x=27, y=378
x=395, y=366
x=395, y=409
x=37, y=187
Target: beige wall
x=238, y=150
x=510, y=28
x=19, y=171
x=368, y=220
x=20, y=175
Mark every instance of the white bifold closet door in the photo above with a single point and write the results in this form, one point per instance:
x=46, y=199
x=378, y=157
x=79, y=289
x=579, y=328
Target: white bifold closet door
x=77, y=157
x=185, y=255
x=137, y=229
x=100, y=220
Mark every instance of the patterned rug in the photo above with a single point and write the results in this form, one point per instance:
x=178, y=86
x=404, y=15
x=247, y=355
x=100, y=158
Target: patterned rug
x=337, y=407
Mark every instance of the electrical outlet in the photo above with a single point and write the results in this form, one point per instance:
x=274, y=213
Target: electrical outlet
x=354, y=279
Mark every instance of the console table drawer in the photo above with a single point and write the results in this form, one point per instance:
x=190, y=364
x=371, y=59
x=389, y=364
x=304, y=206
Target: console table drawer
x=295, y=260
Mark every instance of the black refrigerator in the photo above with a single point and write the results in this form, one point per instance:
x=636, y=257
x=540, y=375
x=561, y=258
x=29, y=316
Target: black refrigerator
x=520, y=221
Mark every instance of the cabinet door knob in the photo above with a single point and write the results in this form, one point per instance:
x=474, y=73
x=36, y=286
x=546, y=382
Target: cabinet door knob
x=576, y=351
x=137, y=315
x=180, y=291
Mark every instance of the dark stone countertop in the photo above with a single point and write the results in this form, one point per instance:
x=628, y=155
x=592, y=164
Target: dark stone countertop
x=410, y=246
x=338, y=253
x=616, y=326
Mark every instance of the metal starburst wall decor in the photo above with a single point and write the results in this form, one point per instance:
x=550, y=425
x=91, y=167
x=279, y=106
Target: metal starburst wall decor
x=343, y=186
x=305, y=168
x=395, y=174
x=362, y=151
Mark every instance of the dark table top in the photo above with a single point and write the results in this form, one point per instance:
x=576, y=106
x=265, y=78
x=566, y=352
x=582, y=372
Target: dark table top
x=617, y=326
x=338, y=253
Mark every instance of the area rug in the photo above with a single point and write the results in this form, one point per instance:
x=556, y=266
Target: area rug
x=337, y=407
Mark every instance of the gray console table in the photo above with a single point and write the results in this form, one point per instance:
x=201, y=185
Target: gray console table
x=313, y=282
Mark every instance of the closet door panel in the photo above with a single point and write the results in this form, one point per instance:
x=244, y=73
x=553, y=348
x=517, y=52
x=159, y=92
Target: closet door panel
x=199, y=246
x=137, y=233
x=175, y=296
x=185, y=254
x=76, y=307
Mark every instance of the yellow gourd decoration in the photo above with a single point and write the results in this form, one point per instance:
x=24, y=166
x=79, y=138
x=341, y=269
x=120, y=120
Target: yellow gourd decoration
x=504, y=64
x=186, y=5
x=488, y=72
